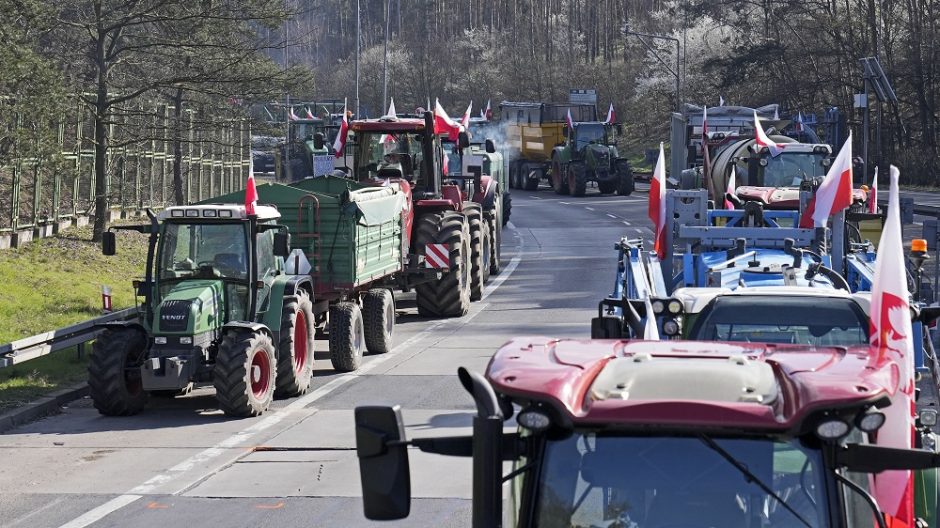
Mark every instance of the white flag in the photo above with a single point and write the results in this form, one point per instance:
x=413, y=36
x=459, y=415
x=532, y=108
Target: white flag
x=650, y=331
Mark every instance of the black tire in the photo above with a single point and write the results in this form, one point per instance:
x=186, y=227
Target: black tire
x=347, y=336
x=626, y=183
x=577, y=178
x=496, y=238
x=245, y=373
x=295, y=348
x=114, y=377
x=559, y=178
x=531, y=184
x=448, y=296
x=507, y=207
x=474, y=216
x=487, y=247
x=606, y=184
x=512, y=175
x=378, y=310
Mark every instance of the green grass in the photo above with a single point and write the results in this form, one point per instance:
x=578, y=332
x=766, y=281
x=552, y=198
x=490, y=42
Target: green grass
x=52, y=283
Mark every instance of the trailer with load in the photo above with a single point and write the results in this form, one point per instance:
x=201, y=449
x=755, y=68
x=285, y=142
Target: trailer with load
x=533, y=130
x=652, y=434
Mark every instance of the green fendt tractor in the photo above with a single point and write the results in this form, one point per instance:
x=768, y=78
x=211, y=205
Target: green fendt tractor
x=219, y=309
x=589, y=154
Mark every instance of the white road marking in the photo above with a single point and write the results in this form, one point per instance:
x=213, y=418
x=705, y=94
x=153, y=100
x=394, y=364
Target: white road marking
x=589, y=208
x=241, y=437
x=626, y=223
x=612, y=216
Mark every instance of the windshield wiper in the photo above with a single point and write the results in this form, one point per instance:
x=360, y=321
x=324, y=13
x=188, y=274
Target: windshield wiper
x=751, y=477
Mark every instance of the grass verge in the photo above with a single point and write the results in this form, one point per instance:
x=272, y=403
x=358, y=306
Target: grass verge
x=55, y=282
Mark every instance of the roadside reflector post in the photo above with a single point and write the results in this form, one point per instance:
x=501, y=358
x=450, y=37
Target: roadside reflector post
x=106, y=299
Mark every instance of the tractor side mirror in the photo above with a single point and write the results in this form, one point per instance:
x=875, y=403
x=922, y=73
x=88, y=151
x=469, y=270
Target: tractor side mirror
x=108, y=243
x=318, y=140
x=463, y=140
x=383, y=463
x=489, y=146
x=281, y=244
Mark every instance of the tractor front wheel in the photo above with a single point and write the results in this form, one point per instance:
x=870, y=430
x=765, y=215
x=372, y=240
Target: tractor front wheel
x=507, y=207
x=478, y=239
x=245, y=373
x=559, y=181
x=378, y=307
x=114, y=377
x=295, y=347
x=496, y=239
x=577, y=179
x=347, y=336
x=605, y=183
x=626, y=183
x=448, y=296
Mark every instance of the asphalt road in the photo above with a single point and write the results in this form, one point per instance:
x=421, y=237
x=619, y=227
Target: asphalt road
x=181, y=461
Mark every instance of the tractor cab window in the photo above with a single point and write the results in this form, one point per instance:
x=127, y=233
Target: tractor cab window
x=584, y=135
x=204, y=251
x=398, y=151
x=672, y=481
x=788, y=170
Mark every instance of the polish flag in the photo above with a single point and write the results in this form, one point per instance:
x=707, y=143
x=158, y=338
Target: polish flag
x=763, y=140
x=251, y=193
x=611, y=116
x=873, y=194
x=657, y=204
x=721, y=100
x=835, y=192
x=292, y=116
x=309, y=113
x=465, y=121
x=488, y=113
x=340, y=143
x=569, y=120
x=391, y=108
x=443, y=124
x=892, y=341
x=730, y=190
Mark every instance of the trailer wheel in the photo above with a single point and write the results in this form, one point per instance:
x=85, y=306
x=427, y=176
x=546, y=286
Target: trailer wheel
x=507, y=207
x=295, y=349
x=378, y=310
x=532, y=184
x=347, y=336
x=477, y=240
x=626, y=183
x=114, y=377
x=448, y=296
x=245, y=373
x=559, y=182
x=496, y=238
x=577, y=178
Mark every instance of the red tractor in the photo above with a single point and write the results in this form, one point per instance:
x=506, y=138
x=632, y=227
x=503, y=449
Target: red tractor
x=445, y=233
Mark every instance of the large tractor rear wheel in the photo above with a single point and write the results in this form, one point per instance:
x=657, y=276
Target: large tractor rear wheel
x=114, y=377
x=245, y=373
x=295, y=348
x=577, y=178
x=626, y=183
x=496, y=238
x=347, y=336
x=559, y=180
x=479, y=249
x=606, y=184
x=378, y=310
x=448, y=296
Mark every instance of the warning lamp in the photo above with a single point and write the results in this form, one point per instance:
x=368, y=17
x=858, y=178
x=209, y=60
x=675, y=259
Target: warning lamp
x=919, y=245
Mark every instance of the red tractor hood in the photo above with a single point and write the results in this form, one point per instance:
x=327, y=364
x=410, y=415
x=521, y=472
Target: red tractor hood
x=791, y=382
x=783, y=197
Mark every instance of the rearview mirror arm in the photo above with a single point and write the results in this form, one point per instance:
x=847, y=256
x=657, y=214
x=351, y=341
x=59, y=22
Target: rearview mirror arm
x=875, y=459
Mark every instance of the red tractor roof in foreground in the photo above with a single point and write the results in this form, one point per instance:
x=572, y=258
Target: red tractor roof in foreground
x=636, y=384
x=388, y=125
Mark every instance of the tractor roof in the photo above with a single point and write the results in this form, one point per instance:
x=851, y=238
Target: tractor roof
x=388, y=124
x=217, y=212
x=741, y=387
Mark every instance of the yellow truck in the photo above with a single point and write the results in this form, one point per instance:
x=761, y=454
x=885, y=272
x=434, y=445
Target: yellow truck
x=532, y=130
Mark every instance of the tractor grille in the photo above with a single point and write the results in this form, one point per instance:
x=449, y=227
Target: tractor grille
x=174, y=315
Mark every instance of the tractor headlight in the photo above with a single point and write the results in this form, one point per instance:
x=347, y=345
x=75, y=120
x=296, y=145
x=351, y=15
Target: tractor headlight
x=870, y=421
x=186, y=340
x=658, y=306
x=159, y=340
x=534, y=420
x=832, y=429
x=928, y=417
x=674, y=306
x=671, y=327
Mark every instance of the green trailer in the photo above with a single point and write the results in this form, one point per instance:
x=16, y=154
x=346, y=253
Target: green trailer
x=349, y=238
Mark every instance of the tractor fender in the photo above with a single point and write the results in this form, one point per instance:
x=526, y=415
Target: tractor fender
x=248, y=325
x=486, y=196
x=285, y=286
x=122, y=324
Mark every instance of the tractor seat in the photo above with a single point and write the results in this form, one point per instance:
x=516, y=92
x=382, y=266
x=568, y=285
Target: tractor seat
x=230, y=264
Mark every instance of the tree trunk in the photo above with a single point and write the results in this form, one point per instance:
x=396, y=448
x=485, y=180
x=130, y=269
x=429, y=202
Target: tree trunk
x=102, y=111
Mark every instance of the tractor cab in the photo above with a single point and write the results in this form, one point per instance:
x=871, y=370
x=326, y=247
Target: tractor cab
x=389, y=148
x=584, y=136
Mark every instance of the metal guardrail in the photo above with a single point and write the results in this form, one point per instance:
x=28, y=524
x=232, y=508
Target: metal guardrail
x=47, y=342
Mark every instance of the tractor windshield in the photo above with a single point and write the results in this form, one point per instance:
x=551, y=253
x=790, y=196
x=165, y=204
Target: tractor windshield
x=590, y=480
x=789, y=169
x=585, y=134
x=204, y=251
x=377, y=150
x=817, y=321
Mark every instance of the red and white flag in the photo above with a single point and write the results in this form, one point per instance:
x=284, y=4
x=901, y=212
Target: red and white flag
x=391, y=108
x=251, y=193
x=291, y=115
x=339, y=144
x=730, y=190
x=569, y=120
x=835, y=192
x=892, y=340
x=309, y=113
x=873, y=194
x=465, y=121
x=487, y=113
x=650, y=329
x=443, y=124
x=762, y=139
x=657, y=204
x=611, y=116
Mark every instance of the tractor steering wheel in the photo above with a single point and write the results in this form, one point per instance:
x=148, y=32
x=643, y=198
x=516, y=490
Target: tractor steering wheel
x=207, y=269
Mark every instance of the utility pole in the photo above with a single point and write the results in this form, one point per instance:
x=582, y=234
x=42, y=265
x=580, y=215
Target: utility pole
x=358, y=28
x=388, y=7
